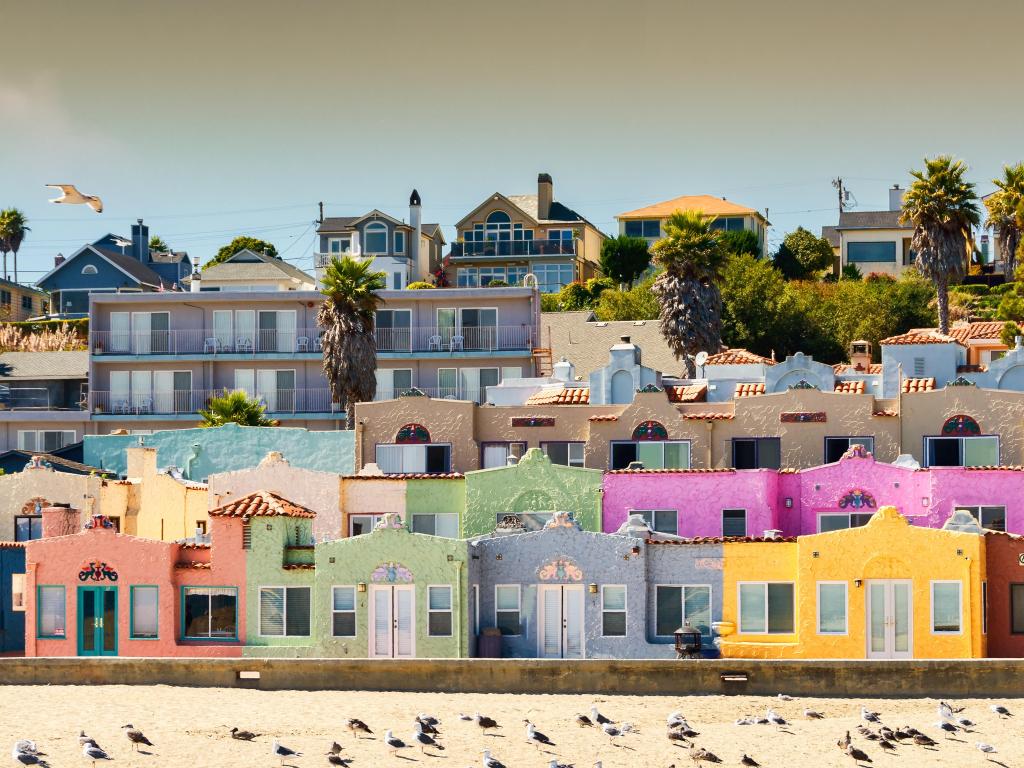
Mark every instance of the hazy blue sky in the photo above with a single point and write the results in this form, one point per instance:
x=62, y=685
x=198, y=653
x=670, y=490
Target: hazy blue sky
x=214, y=118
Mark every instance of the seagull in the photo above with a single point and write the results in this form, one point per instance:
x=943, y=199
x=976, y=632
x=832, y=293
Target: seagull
x=887, y=745
x=871, y=717
x=845, y=742
x=858, y=755
x=675, y=719
x=949, y=728
x=813, y=714
x=426, y=726
x=335, y=749
x=27, y=758
x=867, y=733
x=746, y=721
x=611, y=730
x=486, y=723
x=357, y=727
x=784, y=697
x=703, y=756
x=243, y=735
x=923, y=740
x=338, y=760
x=490, y=762
x=1000, y=710
x=535, y=737
x=556, y=764
x=424, y=739
x=748, y=761
x=597, y=717
x=945, y=711
x=71, y=196
x=280, y=751
x=678, y=738
x=774, y=718
x=988, y=749
x=583, y=721
x=135, y=736
x=83, y=739
x=394, y=744
x=888, y=733
x=964, y=723
x=92, y=751
x=29, y=746
x=428, y=719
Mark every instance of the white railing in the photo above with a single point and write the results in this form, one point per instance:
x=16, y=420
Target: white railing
x=191, y=400
x=474, y=394
x=448, y=339
x=210, y=342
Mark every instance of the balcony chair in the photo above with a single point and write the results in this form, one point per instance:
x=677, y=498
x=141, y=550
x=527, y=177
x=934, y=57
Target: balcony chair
x=434, y=343
x=242, y=344
x=145, y=405
x=212, y=344
x=302, y=344
x=457, y=343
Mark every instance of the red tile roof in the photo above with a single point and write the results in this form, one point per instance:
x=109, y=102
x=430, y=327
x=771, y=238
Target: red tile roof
x=567, y=396
x=604, y=417
x=918, y=385
x=921, y=336
x=690, y=393
x=841, y=368
x=850, y=387
x=987, y=329
x=708, y=416
x=737, y=357
x=749, y=389
x=407, y=476
x=298, y=567
x=193, y=565
x=652, y=471
x=261, y=504
x=12, y=545
x=729, y=540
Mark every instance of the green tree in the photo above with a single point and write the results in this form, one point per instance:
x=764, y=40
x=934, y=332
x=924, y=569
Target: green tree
x=347, y=316
x=692, y=256
x=741, y=241
x=757, y=312
x=1011, y=307
x=624, y=258
x=1009, y=333
x=803, y=255
x=638, y=303
x=13, y=228
x=852, y=272
x=156, y=243
x=1006, y=215
x=241, y=243
x=942, y=207
x=235, y=407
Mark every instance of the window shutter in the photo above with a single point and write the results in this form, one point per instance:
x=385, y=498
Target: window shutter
x=552, y=622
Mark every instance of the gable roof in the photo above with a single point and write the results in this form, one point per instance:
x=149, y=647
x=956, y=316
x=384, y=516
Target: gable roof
x=832, y=235
x=921, y=336
x=870, y=220
x=528, y=206
x=261, y=504
x=259, y=266
x=988, y=330
x=44, y=365
x=137, y=271
x=709, y=204
x=737, y=357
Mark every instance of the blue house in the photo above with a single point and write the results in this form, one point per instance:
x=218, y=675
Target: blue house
x=112, y=264
x=12, y=616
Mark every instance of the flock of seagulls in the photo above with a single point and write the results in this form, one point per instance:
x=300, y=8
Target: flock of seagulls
x=426, y=737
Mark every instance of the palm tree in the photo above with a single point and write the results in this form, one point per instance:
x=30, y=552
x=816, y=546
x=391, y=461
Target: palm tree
x=13, y=227
x=692, y=255
x=347, y=318
x=235, y=408
x=1006, y=215
x=942, y=207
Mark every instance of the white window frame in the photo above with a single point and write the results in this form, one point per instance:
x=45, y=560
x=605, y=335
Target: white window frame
x=284, y=613
x=399, y=234
x=435, y=515
x=682, y=599
x=963, y=440
x=344, y=245
x=624, y=611
x=37, y=438
x=959, y=611
x=977, y=508
x=851, y=441
x=375, y=518
x=376, y=227
x=767, y=622
x=450, y=610
x=519, y=606
x=846, y=607
x=847, y=515
x=90, y=269
x=355, y=606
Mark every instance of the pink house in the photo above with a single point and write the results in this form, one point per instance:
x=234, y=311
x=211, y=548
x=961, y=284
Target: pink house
x=95, y=592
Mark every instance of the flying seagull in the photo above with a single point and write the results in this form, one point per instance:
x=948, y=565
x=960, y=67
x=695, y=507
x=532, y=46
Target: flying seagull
x=135, y=736
x=92, y=751
x=71, y=196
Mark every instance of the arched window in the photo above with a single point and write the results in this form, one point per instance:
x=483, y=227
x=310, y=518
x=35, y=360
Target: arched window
x=375, y=238
x=498, y=227
x=961, y=426
x=89, y=269
x=650, y=430
x=412, y=434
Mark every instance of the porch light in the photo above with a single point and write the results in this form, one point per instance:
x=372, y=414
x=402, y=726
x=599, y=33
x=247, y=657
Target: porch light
x=688, y=642
x=896, y=484
x=789, y=502
x=924, y=501
x=857, y=583
x=592, y=589
x=361, y=586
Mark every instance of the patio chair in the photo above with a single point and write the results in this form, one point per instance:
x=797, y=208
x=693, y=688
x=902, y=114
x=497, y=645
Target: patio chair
x=145, y=405
x=121, y=406
x=434, y=343
x=457, y=343
x=302, y=344
x=243, y=344
x=211, y=344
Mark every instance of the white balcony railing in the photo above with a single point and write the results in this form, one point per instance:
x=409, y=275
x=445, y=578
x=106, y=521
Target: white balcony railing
x=210, y=342
x=279, y=401
x=447, y=339
x=473, y=394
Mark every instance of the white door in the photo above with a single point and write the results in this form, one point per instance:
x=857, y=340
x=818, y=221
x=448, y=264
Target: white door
x=223, y=329
x=163, y=391
x=142, y=333
x=890, y=619
x=266, y=388
x=561, y=621
x=392, y=620
x=142, y=391
x=120, y=332
x=286, y=323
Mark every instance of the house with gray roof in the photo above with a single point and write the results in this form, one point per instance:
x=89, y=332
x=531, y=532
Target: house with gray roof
x=875, y=241
x=251, y=271
x=42, y=399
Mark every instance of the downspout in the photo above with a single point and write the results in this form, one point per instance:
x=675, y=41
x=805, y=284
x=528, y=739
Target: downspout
x=462, y=596
x=899, y=408
x=196, y=448
x=358, y=447
x=711, y=428
x=599, y=504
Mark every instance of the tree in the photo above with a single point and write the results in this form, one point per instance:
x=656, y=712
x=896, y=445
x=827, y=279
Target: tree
x=156, y=243
x=347, y=317
x=1009, y=333
x=235, y=407
x=13, y=227
x=638, y=303
x=803, y=255
x=1006, y=215
x=241, y=243
x=942, y=207
x=757, y=312
x=741, y=241
x=624, y=258
x=692, y=256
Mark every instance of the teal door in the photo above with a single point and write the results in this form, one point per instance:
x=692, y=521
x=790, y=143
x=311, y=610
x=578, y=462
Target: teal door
x=97, y=621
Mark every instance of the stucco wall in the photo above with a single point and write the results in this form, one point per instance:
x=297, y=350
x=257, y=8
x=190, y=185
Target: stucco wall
x=1002, y=568
x=672, y=563
x=362, y=495
x=20, y=489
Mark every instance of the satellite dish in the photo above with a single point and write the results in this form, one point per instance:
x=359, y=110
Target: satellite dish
x=701, y=359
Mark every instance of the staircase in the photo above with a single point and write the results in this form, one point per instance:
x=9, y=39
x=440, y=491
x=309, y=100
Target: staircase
x=542, y=362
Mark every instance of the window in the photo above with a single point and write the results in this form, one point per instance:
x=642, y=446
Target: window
x=551, y=278
x=51, y=621
x=439, y=611
x=339, y=245
x=210, y=613
x=5, y=297
x=1017, y=609
x=375, y=239
x=89, y=269
x=653, y=454
x=26, y=303
x=284, y=611
x=756, y=453
x=144, y=624
x=660, y=520
x=613, y=611
x=728, y=223
x=831, y=608
x=393, y=332
x=859, y=253
x=515, y=275
x=444, y=524
x=766, y=608
x=399, y=459
x=497, y=454
x=490, y=274
x=841, y=521
x=361, y=524
x=506, y=608
x=468, y=277
x=993, y=518
x=343, y=611
x=648, y=228
x=835, y=447
x=561, y=235
x=962, y=451
x=18, y=592
x=734, y=522
x=946, y=607
x=28, y=527
x=676, y=605
x=566, y=454
x=399, y=242
x=44, y=441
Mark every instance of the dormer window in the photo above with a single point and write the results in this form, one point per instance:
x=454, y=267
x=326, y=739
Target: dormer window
x=90, y=269
x=376, y=238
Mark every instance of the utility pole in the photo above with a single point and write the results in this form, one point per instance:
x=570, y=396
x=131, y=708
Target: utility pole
x=838, y=184
x=321, y=219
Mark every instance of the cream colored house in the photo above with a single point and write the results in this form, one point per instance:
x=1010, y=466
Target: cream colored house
x=649, y=222
x=876, y=241
x=251, y=271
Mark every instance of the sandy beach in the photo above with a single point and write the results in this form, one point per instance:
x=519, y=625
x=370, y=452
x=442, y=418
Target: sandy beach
x=189, y=727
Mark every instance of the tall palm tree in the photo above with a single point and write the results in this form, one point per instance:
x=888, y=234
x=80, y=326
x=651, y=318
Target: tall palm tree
x=942, y=207
x=692, y=255
x=235, y=408
x=1006, y=215
x=347, y=317
x=13, y=227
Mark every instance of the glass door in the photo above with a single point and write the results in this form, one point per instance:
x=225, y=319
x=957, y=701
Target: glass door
x=890, y=619
x=445, y=328
x=561, y=621
x=392, y=620
x=478, y=327
x=97, y=621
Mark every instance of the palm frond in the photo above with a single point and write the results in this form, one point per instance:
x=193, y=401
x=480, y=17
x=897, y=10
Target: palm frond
x=235, y=407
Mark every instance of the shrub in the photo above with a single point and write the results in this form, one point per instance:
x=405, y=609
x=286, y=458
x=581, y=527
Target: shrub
x=497, y=284
x=50, y=339
x=419, y=285
x=851, y=272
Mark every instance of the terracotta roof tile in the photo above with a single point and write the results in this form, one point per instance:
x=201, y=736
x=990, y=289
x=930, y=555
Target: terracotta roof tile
x=918, y=385
x=888, y=412
x=652, y=471
x=845, y=368
x=298, y=567
x=709, y=204
x=749, y=389
x=708, y=416
x=408, y=476
x=604, y=417
x=567, y=396
x=729, y=540
x=737, y=357
x=850, y=387
x=921, y=336
x=690, y=393
x=261, y=504
x=12, y=545
x=193, y=565
x=987, y=329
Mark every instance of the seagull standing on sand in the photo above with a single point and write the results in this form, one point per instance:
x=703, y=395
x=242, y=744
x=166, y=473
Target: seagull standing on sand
x=357, y=727
x=27, y=758
x=535, y=737
x=344, y=762
x=1000, y=710
x=611, y=730
x=490, y=762
x=92, y=751
x=813, y=714
x=988, y=749
x=280, y=751
x=748, y=761
x=871, y=717
x=556, y=764
x=583, y=721
x=135, y=736
x=394, y=743
x=858, y=755
x=424, y=739
x=71, y=196
x=486, y=723
x=597, y=717
x=703, y=756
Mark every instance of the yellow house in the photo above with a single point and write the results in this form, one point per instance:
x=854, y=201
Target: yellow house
x=159, y=505
x=886, y=590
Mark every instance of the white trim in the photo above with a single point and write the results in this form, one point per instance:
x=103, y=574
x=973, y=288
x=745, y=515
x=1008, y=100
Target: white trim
x=450, y=610
x=767, y=622
x=846, y=607
x=284, y=612
x=734, y=509
x=519, y=606
x=375, y=226
x=624, y=611
x=889, y=612
x=847, y=515
x=394, y=242
x=354, y=611
x=959, y=610
x=563, y=635
x=682, y=603
x=392, y=590
x=374, y=519
x=93, y=249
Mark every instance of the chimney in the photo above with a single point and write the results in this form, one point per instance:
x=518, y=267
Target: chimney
x=141, y=462
x=563, y=371
x=896, y=197
x=196, y=284
x=60, y=520
x=58, y=260
x=545, y=194
x=140, y=242
x=416, y=221
x=860, y=354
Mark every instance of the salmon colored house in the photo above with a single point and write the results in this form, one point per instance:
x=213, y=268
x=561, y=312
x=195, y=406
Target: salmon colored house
x=1004, y=618
x=97, y=592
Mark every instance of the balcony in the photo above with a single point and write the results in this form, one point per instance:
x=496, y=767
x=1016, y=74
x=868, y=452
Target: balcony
x=473, y=394
x=513, y=248
x=188, y=402
x=34, y=399
x=493, y=338
x=205, y=342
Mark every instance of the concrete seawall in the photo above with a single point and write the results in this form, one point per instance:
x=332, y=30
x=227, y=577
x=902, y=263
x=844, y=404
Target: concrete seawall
x=981, y=677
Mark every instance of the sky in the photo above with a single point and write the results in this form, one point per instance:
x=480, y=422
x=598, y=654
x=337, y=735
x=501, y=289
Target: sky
x=210, y=118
